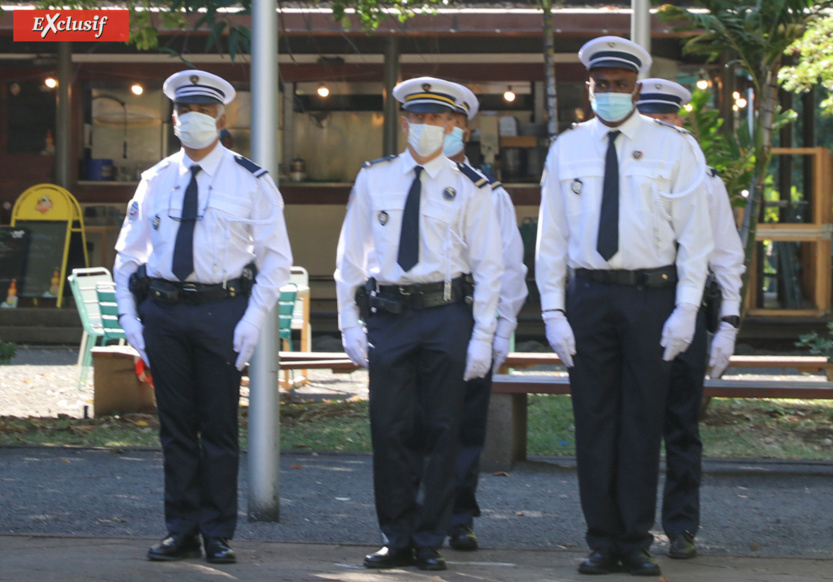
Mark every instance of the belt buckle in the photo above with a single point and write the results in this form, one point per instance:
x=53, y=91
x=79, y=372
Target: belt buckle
x=189, y=292
x=404, y=291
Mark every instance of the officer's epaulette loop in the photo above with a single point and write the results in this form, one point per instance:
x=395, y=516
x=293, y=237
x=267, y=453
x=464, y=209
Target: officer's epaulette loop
x=493, y=182
x=378, y=160
x=250, y=165
x=712, y=172
x=666, y=124
x=472, y=175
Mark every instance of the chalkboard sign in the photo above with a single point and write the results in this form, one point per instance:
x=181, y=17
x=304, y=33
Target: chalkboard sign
x=14, y=243
x=45, y=258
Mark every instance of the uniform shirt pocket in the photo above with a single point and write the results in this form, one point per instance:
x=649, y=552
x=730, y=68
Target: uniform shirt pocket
x=647, y=180
x=386, y=217
x=229, y=205
x=581, y=185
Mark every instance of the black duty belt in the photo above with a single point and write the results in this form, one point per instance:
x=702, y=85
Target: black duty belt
x=660, y=277
x=167, y=292
x=396, y=298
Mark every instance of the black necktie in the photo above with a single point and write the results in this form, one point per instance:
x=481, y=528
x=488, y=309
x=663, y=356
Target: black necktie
x=409, y=236
x=183, y=263
x=608, y=241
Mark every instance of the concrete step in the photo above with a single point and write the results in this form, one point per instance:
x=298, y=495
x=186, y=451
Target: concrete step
x=41, y=326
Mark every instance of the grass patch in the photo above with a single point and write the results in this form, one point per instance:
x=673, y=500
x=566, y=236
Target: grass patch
x=734, y=428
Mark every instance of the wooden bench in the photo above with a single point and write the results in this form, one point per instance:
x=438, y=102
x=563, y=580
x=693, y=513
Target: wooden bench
x=507, y=424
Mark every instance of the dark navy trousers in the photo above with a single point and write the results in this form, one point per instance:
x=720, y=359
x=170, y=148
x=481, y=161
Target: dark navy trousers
x=417, y=361
x=472, y=439
x=618, y=386
x=683, y=448
x=197, y=395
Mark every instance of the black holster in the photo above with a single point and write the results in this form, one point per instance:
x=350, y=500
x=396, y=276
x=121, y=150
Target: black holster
x=247, y=278
x=363, y=298
x=712, y=300
x=139, y=284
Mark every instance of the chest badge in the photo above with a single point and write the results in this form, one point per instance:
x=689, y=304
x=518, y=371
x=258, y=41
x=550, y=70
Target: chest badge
x=576, y=186
x=156, y=221
x=383, y=218
x=637, y=155
x=449, y=193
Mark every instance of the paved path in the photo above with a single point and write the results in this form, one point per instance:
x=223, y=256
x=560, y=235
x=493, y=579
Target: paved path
x=83, y=514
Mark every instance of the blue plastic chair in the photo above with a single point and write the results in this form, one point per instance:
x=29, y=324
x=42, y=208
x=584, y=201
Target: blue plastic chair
x=83, y=283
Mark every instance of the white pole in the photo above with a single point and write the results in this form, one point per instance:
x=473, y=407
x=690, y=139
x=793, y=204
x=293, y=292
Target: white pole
x=641, y=27
x=264, y=398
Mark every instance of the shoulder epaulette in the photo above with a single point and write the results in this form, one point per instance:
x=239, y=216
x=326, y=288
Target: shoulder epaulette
x=472, y=175
x=711, y=171
x=379, y=160
x=250, y=165
x=158, y=166
x=493, y=182
x=679, y=129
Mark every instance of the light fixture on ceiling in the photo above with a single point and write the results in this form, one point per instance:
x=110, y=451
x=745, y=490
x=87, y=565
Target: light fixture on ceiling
x=323, y=91
x=509, y=94
x=137, y=89
x=51, y=82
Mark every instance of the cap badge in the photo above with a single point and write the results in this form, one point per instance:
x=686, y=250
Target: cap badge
x=449, y=193
x=383, y=218
x=658, y=86
x=637, y=155
x=194, y=79
x=156, y=221
x=611, y=44
x=426, y=87
x=576, y=186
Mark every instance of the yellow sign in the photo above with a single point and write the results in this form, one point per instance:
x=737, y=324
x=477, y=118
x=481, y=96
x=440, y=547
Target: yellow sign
x=51, y=214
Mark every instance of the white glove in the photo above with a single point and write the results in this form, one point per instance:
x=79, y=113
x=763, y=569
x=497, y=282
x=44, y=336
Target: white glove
x=723, y=346
x=678, y=330
x=500, y=346
x=478, y=359
x=354, y=340
x=245, y=340
x=560, y=336
x=135, y=333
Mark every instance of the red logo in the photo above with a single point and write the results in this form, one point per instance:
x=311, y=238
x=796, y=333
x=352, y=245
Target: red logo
x=44, y=205
x=71, y=25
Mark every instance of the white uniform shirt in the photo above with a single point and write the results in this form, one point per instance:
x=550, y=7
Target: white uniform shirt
x=458, y=234
x=726, y=260
x=239, y=217
x=513, y=291
x=662, y=203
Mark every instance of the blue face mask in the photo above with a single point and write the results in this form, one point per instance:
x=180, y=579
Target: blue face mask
x=612, y=107
x=453, y=144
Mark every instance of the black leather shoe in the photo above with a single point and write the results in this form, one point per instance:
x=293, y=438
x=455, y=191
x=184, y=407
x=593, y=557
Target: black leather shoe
x=600, y=562
x=462, y=538
x=429, y=559
x=217, y=551
x=389, y=557
x=175, y=547
x=682, y=546
x=640, y=563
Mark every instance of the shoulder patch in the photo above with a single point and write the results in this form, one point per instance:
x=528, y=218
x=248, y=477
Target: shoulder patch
x=472, y=175
x=678, y=129
x=711, y=172
x=379, y=160
x=250, y=165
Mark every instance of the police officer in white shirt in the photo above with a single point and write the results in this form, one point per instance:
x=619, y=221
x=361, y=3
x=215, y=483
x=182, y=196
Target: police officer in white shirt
x=513, y=293
x=623, y=208
x=661, y=99
x=201, y=224
x=419, y=229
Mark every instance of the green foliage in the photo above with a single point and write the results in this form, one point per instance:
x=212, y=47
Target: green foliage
x=733, y=156
x=371, y=13
x=756, y=32
x=7, y=352
x=815, y=62
x=818, y=345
